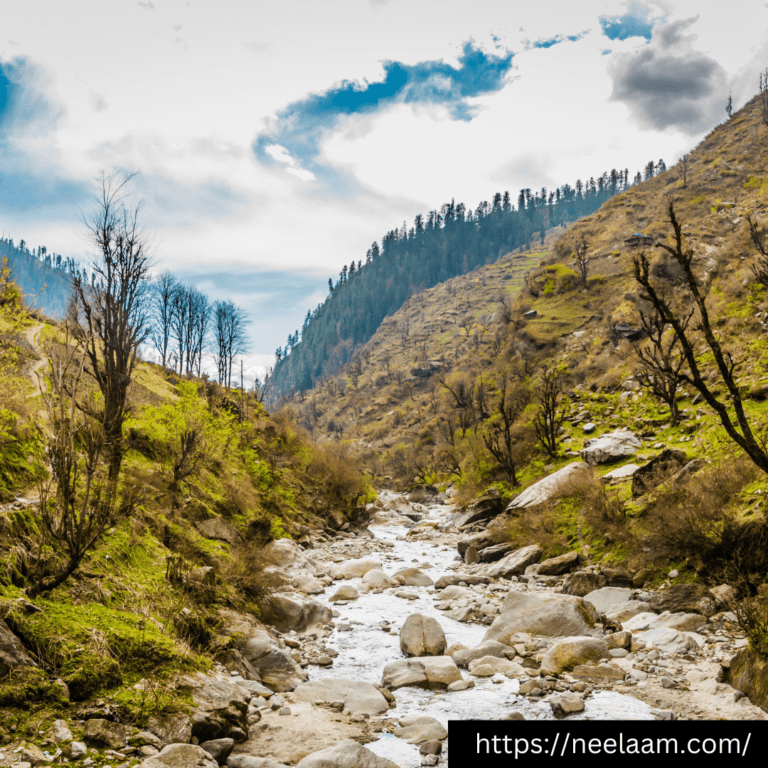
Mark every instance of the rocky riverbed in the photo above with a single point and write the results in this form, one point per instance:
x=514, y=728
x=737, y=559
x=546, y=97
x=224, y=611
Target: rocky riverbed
x=388, y=632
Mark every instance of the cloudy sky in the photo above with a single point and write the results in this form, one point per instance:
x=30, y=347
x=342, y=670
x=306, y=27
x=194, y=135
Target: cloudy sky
x=275, y=141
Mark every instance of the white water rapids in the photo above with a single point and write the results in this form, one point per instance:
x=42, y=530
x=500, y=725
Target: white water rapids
x=365, y=648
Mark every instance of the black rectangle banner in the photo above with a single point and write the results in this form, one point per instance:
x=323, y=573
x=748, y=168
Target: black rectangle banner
x=489, y=743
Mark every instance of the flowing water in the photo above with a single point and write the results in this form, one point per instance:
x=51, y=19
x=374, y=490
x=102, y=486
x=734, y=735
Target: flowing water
x=365, y=648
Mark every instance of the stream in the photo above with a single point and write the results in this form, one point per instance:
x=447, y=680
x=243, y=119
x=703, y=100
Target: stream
x=364, y=648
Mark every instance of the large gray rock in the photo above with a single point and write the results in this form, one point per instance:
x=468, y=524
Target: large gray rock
x=171, y=729
x=345, y=754
x=377, y=579
x=581, y=583
x=412, y=577
x=657, y=470
x=668, y=639
x=248, y=761
x=609, y=599
x=476, y=540
x=542, y=613
x=516, y=562
x=220, y=707
x=456, y=578
x=433, y=672
x=613, y=446
x=288, y=612
x=416, y=729
x=287, y=554
x=556, y=566
x=180, y=756
x=552, y=486
x=354, y=569
x=495, y=552
x=105, y=733
x=218, y=749
x=484, y=508
x=684, y=598
x=422, y=636
x=219, y=530
x=571, y=652
x=343, y=593
x=12, y=653
x=466, y=656
x=358, y=696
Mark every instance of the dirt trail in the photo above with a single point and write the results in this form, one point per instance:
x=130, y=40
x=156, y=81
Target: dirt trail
x=32, y=336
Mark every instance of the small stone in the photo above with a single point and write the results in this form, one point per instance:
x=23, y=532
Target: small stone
x=431, y=747
x=565, y=704
x=461, y=685
x=674, y=574
x=667, y=682
x=514, y=716
x=285, y=711
x=618, y=653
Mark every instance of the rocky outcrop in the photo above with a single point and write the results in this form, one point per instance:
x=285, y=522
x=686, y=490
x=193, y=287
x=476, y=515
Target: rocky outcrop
x=611, y=447
x=547, y=614
x=484, y=508
x=433, y=672
x=220, y=707
x=552, y=486
x=12, y=653
x=748, y=673
x=557, y=566
x=358, y=696
x=219, y=530
x=684, y=598
x=288, y=612
x=516, y=562
x=657, y=470
x=422, y=636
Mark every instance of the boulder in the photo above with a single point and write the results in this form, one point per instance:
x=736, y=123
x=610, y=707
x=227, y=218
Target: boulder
x=358, y=696
x=422, y=494
x=104, y=733
x=12, y=653
x=465, y=657
x=219, y=530
x=620, y=473
x=602, y=673
x=581, y=583
x=218, y=749
x=343, y=593
x=683, y=622
x=476, y=540
x=484, y=508
x=564, y=704
x=433, y=672
x=220, y=707
x=457, y=578
x=308, y=584
x=180, y=756
x=60, y=732
x=412, y=577
x=681, y=478
x=684, y=598
x=552, y=486
x=608, y=599
x=657, y=470
x=345, y=754
x=556, y=566
x=570, y=653
x=611, y=447
x=542, y=613
x=495, y=552
x=516, y=562
x=288, y=612
x=668, y=639
x=748, y=673
x=377, y=579
x=416, y=729
x=355, y=569
x=497, y=665
x=422, y=636
x=723, y=595
x=171, y=729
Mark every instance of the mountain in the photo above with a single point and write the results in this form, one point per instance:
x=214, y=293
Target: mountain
x=45, y=288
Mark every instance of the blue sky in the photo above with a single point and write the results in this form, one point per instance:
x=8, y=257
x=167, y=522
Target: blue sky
x=275, y=142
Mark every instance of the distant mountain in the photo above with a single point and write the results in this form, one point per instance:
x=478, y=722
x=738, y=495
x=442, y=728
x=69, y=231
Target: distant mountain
x=45, y=287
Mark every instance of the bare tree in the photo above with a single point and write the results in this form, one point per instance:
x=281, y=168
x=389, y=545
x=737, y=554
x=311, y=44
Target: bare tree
x=757, y=235
x=548, y=418
x=229, y=322
x=663, y=359
x=739, y=431
x=109, y=316
x=507, y=441
x=163, y=289
x=682, y=169
x=582, y=260
x=77, y=501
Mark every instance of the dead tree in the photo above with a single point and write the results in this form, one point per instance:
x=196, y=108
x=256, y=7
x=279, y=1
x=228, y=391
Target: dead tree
x=662, y=360
x=507, y=441
x=739, y=430
x=548, y=418
x=582, y=260
x=109, y=316
x=682, y=169
x=760, y=267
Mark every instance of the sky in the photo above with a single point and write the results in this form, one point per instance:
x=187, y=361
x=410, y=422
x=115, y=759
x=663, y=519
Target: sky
x=274, y=142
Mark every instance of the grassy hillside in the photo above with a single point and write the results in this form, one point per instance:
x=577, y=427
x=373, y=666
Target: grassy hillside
x=182, y=543
x=422, y=400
